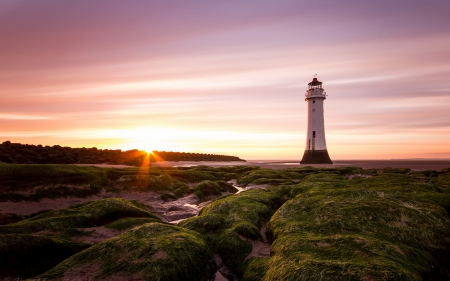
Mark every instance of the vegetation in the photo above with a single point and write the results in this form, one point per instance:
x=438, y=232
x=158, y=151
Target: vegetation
x=292, y=175
x=7, y=218
x=153, y=251
x=231, y=221
x=28, y=154
x=127, y=223
x=34, y=182
x=25, y=256
x=386, y=227
x=67, y=221
x=215, y=188
x=333, y=224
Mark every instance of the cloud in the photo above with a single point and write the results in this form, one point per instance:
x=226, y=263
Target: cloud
x=72, y=71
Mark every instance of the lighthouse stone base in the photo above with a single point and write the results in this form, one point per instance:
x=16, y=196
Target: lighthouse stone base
x=316, y=157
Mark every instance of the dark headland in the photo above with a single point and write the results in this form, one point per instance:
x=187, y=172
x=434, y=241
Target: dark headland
x=17, y=153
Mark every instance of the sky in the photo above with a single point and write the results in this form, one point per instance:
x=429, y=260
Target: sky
x=227, y=77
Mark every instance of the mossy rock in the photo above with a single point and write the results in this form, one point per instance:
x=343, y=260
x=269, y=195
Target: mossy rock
x=145, y=182
x=25, y=256
x=168, y=197
x=396, y=170
x=192, y=175
x=80, y=215
x=127, y=223
x=204, y=223
x=7, y=218
x=153, y=251
x=227, y=187
x=260, y=174
x=230, y=222
x=386, y=227
x=49, y=181
x=213, y=188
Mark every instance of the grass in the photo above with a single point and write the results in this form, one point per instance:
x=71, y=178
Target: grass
x=81, y=215
x=153, y=251
x=25, y=256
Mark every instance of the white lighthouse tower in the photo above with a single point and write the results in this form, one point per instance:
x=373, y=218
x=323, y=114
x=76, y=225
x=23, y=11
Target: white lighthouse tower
x=316, y=147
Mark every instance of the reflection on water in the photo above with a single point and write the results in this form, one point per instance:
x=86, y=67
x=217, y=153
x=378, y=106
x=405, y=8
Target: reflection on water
x=191, y=205
x=223, y=274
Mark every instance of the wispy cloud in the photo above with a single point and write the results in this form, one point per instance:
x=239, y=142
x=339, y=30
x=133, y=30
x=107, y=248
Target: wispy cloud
x=26, y=117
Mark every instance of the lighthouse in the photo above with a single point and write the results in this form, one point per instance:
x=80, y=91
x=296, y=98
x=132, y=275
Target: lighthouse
x=316, y=148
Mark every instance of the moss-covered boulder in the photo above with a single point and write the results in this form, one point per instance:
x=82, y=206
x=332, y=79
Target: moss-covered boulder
x=80, y=215
x=144, y=182
x=386, y=227
x=7, y=218
x=127, y=223
x=209, y=188
x=231, y=222
x=25, y=256
x=153, y=251
x=24, y=182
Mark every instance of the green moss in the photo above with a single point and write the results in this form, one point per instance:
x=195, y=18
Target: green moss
x=25, y=256
x=192, y=175
x=205, y=223
x=233, y=250
x=288, y=176
x=231, y=220
x=396, y=170
x=182, y=190
x=246, y=229
x=80, y=215
x=49, y=181
x=127, y=223
x=227, y=187
x=386, y=227
x=262, y=175
x=145, y=182
x=7, y=218
x=168, y=197
x=153, y=251
x=256, y=268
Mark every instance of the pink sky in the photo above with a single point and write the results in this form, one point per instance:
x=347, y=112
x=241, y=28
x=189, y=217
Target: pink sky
x=227, y=76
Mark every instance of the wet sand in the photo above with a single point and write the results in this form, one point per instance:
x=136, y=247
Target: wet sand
x=413, y=164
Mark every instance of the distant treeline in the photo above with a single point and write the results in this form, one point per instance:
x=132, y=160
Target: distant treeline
x=37, y=154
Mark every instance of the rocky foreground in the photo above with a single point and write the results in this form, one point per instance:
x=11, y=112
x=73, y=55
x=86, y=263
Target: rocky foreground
x=240, y=223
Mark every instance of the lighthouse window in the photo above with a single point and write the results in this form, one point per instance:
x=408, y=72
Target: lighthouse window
x=314, y=101
x=314, y=134
x=314, y=110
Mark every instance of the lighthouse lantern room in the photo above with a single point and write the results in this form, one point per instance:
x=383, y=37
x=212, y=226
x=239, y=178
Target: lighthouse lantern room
x=316, y=148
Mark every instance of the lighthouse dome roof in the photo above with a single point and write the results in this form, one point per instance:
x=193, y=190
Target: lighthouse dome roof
x=315, y=82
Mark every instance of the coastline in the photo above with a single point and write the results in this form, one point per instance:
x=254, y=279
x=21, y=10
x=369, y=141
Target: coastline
x=413, y=164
